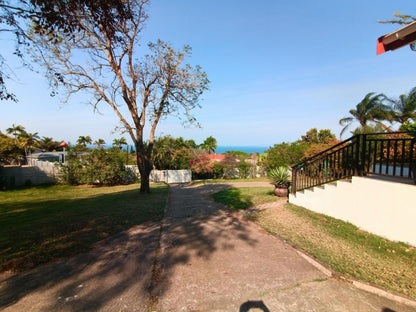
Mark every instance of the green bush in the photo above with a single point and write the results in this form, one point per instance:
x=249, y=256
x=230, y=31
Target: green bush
x=99, y=167
x=244, y=169
x=218, y=170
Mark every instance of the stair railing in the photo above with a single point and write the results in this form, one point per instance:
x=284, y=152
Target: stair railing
x=383, y=154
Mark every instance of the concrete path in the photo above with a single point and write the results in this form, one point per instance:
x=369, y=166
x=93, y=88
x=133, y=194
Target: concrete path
x=202, y=257
x=214, y=260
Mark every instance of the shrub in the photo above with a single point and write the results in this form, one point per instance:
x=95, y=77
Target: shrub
x=99, y=167
x=244, y=169
x=218, y=170
x=202, y=167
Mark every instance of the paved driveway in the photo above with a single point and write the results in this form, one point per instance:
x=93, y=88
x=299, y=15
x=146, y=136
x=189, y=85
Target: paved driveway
x=200, y=258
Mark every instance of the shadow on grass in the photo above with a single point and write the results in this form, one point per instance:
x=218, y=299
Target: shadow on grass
x=34, y=232
x=233, y=198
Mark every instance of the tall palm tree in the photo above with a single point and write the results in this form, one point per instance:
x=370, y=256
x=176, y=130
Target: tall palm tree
x=28, y=140
x=99, y=142
x=119, y=142
x=15, y=130
x=84, y=140
x=404, y=108
x=210, y=144
x=48, y=144
x=370, y=110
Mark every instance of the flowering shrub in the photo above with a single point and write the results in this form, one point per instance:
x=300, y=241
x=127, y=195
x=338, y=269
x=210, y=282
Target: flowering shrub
x=202, y=166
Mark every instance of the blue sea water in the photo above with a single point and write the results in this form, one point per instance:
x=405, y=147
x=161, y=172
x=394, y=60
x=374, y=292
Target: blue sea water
x=245, y=149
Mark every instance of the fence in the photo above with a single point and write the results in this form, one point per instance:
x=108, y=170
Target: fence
x=41, y=173
x=382, y=154
x=167, y=176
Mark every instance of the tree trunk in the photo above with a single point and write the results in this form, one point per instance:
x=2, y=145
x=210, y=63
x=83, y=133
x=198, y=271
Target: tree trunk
x=145, y=167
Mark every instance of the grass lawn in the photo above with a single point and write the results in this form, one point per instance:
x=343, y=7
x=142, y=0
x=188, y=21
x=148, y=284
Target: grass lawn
x=216, y=181
x=244, y=197
x=341, y=245
x=42, y=223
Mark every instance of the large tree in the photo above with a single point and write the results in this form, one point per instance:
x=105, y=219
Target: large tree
x=371, y=109
x=48, y=16
x=105, y=63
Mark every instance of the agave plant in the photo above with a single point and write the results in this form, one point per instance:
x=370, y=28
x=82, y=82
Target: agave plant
x=280, y=177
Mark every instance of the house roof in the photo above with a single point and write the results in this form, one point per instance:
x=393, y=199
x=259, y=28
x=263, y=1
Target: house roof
x=397, y=39
x=216, y=157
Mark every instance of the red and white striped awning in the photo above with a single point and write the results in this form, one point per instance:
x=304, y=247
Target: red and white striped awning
x=397, y=39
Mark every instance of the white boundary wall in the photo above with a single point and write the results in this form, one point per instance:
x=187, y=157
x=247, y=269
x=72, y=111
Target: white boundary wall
x=167, y=176
x=387, y=209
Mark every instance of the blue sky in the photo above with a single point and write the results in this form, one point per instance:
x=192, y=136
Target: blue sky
x=277, y=69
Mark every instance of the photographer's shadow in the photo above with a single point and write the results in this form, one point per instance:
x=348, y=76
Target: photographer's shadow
x=248, y=305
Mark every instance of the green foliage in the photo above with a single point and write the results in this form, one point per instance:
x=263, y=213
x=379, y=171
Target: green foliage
x=279, y=177
x=218, y=170
x=103, y=167
x=237, y=153
x=370, y=110
x=244, y=169
x=409, y=128
x=210, y=144
x=284, y=154
x=315, y=136
x=9, y=150
x=98, y=167
x=48, y=144
x=171, y=153
x=71, y=172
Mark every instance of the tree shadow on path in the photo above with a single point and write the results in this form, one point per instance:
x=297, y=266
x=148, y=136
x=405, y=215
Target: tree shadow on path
x=114, y=276
x=196, y=232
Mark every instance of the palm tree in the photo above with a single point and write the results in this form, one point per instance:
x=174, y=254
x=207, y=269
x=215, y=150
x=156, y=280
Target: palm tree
x=210, y=144
x=370, y=109
x=48, y=144
x=99, y=142
x=84, y=140
x=28, y=140
x=119, y=142
x=404, y=108
x=15, y=130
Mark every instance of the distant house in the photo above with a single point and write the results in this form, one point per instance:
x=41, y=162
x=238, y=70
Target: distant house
x=216, y=157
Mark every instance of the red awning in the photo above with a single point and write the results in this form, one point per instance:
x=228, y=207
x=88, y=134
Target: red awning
x=397, y=39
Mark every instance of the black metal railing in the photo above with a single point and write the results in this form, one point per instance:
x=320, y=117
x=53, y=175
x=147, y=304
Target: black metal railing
x=383, y=154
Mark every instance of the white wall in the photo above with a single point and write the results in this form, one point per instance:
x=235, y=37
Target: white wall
x=167, y=176
x=387, y=209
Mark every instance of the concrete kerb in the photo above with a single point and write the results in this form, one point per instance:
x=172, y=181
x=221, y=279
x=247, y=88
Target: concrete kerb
x=399, y=298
